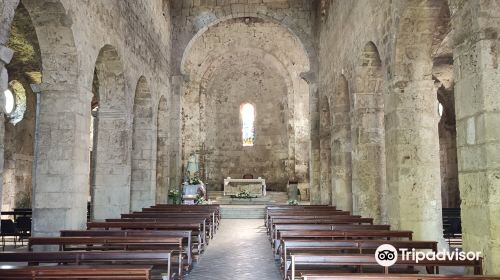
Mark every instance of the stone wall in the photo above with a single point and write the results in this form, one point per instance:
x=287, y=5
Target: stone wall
x=263, y=87
x=18, y=161
x=418, y=43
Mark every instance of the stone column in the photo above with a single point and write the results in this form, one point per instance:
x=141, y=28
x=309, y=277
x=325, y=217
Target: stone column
x=61, y=175
x=413, y=163
x=477, y=105
x=314, y=167
x=111, y=191
x=341, y=152
x=175, y=124
x=325, y=153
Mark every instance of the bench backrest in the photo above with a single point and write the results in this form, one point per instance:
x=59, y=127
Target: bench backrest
x=77, y=272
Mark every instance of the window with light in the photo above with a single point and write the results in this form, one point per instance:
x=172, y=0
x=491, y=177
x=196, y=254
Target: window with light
x=248, y=120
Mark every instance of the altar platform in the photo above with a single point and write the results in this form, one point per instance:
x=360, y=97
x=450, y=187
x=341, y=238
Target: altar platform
x=270, y=199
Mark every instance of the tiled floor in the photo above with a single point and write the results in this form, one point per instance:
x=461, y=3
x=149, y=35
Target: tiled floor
x=240, y=250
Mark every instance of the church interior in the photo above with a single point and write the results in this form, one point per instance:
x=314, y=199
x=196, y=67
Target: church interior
x=250, y=139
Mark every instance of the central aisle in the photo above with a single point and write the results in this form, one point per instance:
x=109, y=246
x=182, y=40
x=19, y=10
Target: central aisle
x=240, y=250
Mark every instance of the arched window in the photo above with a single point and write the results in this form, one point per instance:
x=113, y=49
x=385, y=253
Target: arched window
x=248, y=130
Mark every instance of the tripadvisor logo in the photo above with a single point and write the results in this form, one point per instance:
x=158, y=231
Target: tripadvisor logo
x=386, y=255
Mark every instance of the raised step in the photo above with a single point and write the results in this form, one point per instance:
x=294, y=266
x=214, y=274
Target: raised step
x=270, y=198
x=243, y=211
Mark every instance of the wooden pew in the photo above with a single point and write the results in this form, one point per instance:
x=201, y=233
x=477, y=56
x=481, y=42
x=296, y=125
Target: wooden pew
x=294, y=207
x=311, y=262
x=343, y=234
x=288, y=247
x=279, y=228
x=157, y=258
x=185, y=234
x=211, y=218
x=101, y=272
x=373, y=276
x=107, y=243
x=306, y=215
x=176, y=220
x=194, y=227
x=334, y=220
x=208, y=218
x=212, y=208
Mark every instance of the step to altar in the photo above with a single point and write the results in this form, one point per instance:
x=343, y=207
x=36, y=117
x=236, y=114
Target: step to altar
x=243, y=211
x=270, y=198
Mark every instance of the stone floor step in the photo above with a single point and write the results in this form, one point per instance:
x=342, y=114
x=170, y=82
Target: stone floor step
x=242, y=211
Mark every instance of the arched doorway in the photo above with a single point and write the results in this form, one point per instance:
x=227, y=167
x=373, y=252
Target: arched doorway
x=111, y=169
x=162, y=153
x=368, y=135
x=20, y=118
x=142, y=185
x=341, y=146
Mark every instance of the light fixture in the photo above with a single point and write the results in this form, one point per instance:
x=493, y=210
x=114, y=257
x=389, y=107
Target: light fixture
x=9, y=101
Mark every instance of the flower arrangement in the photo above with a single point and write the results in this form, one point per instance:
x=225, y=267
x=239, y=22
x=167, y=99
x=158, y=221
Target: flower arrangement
x=174, y=195
x=293, y=202
x=243, y=195
x=194, y=181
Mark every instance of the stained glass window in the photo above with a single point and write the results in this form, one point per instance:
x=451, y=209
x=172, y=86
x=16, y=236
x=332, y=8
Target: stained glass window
x=248, y=129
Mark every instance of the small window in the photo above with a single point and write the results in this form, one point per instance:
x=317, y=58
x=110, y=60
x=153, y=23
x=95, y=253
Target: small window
x=9, y=101
x=440, y=109
x=248, y=130
x=15, y=102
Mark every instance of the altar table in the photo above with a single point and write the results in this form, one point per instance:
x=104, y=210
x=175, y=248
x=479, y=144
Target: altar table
x=256, y=187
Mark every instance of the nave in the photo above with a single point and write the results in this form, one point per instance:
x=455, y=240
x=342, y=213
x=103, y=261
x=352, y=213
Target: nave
x=240, y=251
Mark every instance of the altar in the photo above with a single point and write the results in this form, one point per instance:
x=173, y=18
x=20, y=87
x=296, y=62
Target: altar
x=255, y=187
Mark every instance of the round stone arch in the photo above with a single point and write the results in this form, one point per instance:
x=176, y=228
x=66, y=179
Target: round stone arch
x=368, y=137
x=112, y=154
x=59, y=129
x=413, y=161
x=305, y=39
x=195, y=72
x=217, y=60
x=142, y=185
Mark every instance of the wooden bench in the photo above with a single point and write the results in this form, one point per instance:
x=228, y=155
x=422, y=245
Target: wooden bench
x=211, y=218
x=340, y=220
x=205, y=226
x=398, y=277
x=107, y=243
x=212, y=209
x=115, y=272
x=302, y=212
x=288, y=247
x=161, y=260
x=279, y=228
x=195, y=228
x=308, y=263
x=208, y=219
x=343, y=234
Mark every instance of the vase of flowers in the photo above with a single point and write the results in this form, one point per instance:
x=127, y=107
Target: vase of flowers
x=173, y=196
